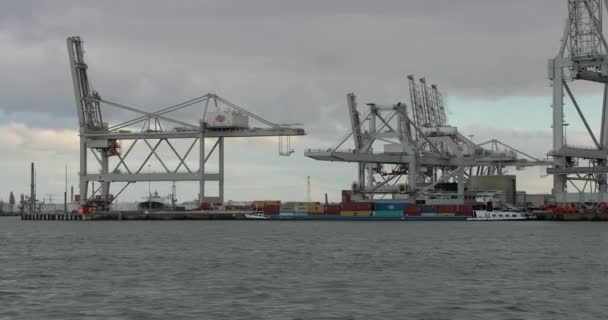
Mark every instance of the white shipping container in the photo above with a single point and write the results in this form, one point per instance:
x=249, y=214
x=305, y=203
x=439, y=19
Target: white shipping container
x=286, y=209
x=301, y=208
x=227, y=119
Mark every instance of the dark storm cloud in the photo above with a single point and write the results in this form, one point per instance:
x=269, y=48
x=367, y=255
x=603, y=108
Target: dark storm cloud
x=286, y=60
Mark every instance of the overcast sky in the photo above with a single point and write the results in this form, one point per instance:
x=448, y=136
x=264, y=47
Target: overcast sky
x=288, y=61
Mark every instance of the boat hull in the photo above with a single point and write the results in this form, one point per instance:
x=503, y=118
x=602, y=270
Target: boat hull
x=499, y=219
x=360, y=218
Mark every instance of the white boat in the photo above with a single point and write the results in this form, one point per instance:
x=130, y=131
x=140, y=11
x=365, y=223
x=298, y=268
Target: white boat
x=496, y=208
x=256, y=216
x=498, y=215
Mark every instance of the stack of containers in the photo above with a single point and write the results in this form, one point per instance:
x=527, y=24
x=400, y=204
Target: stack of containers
x=389, y=209
x=332, y=209
x=464, y=210
x=357, y=209
x=413, y=210
x=446, y=210
x=428, y=210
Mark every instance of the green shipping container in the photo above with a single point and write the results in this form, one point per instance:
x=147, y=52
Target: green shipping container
x=390, y=214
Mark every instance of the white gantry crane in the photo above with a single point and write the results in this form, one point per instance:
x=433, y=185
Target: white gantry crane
x=419, y=150
x=579, y=174
x=220, y=119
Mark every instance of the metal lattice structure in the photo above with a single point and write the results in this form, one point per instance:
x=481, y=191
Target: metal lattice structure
x=427, y=109
x=111, y=145
x=579, y=174
x=420, y=151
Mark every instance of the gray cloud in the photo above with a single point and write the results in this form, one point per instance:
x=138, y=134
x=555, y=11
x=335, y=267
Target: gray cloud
x=289, y=61
x=268, y=53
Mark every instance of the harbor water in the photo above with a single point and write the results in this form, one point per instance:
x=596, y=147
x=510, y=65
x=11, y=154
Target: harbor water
x=302, y=270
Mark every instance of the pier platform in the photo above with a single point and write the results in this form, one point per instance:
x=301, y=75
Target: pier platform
x=168, y=215
x=551, y=216
x=53, y=216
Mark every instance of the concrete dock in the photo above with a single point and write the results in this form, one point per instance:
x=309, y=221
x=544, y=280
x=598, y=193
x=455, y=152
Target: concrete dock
x=137, y=215
x=168, y=215
x=589, y=216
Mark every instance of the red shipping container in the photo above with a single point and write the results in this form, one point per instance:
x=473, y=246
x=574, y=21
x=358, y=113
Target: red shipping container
x=271, y=209
x=332, y=209
x=413, y=210
x=447, y=208
x=464, y=210
x=357, y=206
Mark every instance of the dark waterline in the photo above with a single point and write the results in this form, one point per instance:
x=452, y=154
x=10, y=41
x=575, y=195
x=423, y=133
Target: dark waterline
x=302, y=270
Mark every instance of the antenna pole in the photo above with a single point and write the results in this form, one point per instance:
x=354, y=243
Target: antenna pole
x=308, y=197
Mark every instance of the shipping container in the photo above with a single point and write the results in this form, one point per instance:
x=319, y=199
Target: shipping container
x=426, y=208
x=356, y=213
x=429, y=214
x=270, y=209
x=413, y=210
x=316, y=209
x=446, y=208
x=300, y=208
x=332, y=209
x=300, y=202
x=357, y=206
x=286, y=208
x=446, y=214
x=390, y=206
x=260, y=204
x=464, y=210
x=386, y=214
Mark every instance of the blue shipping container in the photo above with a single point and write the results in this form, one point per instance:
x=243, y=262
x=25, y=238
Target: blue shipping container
x=426, y=208
x=388, y=213
x=390, y=206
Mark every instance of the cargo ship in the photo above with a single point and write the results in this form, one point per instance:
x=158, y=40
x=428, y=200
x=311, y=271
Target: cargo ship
x=378, y=210
x=487, y=205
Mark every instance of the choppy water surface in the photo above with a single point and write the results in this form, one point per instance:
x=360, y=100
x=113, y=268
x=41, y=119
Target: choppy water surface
x=302, y=270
